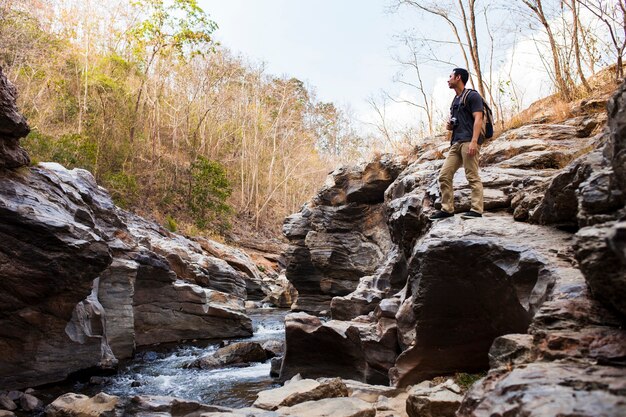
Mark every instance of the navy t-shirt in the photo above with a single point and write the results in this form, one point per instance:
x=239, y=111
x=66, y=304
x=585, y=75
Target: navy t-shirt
x=464, y=130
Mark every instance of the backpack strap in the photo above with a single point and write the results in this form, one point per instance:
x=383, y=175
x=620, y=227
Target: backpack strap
x=466, y=93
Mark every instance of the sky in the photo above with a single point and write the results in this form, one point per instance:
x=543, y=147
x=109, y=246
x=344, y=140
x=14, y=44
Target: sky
x=343, y=49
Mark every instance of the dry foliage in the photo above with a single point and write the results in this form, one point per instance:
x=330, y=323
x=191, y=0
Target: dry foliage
x=197, y=138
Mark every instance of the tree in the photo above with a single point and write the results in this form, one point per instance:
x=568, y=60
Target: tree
x=457, y=13
x=613, y=15
x=178, y=27
x=559, y=74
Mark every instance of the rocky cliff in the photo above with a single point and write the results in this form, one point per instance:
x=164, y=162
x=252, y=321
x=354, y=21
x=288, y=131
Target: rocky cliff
x=532, y=292
x=83, y=283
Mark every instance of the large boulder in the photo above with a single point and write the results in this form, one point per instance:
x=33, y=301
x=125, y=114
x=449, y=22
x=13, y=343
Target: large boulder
x=468, y=284
x=85, y=282
x=51, y=253
x=241, y=353
x=362, y=349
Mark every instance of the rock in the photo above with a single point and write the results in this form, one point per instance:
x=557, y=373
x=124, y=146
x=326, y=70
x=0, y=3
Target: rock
x=599, y=250
x=116, y=289
x=616, y=147
x=358, y=350
x=549, y=389
x=510, y=279
x=243, y=412
x=276, y=364
x=301, y=391
x=50, y=260
x=15, y=395
x=511, y=349
x=114, y=282
x=78, y=405
x=13, y=126
x=282, y=293
x=371, y=393
x=30, y=403
x=340, y=236
x=442, y=400
x=6, y=413
x=256, y=288
x=98, y=380
x=6, y=403
x=273, y=348
x=236, y=353
x=330, y=407
x=153, y=405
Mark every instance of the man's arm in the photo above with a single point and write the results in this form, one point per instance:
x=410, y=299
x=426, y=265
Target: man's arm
x=478, y=126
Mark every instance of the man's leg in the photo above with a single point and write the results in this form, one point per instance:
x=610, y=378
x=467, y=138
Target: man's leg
x=453, y=162
x=470, y=163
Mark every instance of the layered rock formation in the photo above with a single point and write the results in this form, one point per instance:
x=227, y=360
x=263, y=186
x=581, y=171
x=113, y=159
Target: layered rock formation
x=84, y=282
x=340, y=236
x=526, y=300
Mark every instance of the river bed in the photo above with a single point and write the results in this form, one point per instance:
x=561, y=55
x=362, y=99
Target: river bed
x=159, y=370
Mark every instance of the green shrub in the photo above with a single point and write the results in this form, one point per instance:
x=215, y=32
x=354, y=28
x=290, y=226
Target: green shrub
x=465, y=381
x=170, y=224
x=209, y=191
x=123, y=188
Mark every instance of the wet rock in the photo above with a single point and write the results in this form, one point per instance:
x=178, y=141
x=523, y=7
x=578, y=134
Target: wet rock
x=7, y=403
x=549, y=389
x=15, y=395
x=437, y=401
x=6, y=413
x=78, y=405
x=13, y=126
x=233, y=354
x=30, y=403
x=276, y=364
x=330, y=407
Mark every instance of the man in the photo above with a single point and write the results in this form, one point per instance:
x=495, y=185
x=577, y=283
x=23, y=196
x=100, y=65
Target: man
x=465, y=123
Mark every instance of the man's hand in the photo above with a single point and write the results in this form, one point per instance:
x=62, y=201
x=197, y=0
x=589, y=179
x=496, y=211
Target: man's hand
x=472, y=149
x=449, y=125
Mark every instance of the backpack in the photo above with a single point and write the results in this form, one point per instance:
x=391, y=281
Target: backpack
x=487, y=129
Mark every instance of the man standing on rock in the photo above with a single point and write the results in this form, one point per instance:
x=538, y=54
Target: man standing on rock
x=466, y=120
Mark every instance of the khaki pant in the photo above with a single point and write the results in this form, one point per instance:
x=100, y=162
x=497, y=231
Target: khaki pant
x=458, y=156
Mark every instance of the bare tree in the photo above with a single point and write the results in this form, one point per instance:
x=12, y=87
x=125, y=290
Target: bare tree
x=563, y=88
x=465, y=18
x=613, y=15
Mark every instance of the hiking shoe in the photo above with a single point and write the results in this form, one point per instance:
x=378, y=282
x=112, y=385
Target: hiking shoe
x=440, y=214
x=471, y=215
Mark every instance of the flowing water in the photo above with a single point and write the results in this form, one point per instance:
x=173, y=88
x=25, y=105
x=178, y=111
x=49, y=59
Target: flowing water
x=160, y=371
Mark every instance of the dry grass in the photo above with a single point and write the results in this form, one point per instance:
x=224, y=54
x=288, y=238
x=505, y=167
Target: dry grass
x=553, y=109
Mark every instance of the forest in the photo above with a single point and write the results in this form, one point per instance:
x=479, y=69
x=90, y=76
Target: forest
x=181, y=129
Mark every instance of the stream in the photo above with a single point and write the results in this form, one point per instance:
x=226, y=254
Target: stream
x=159, y=371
